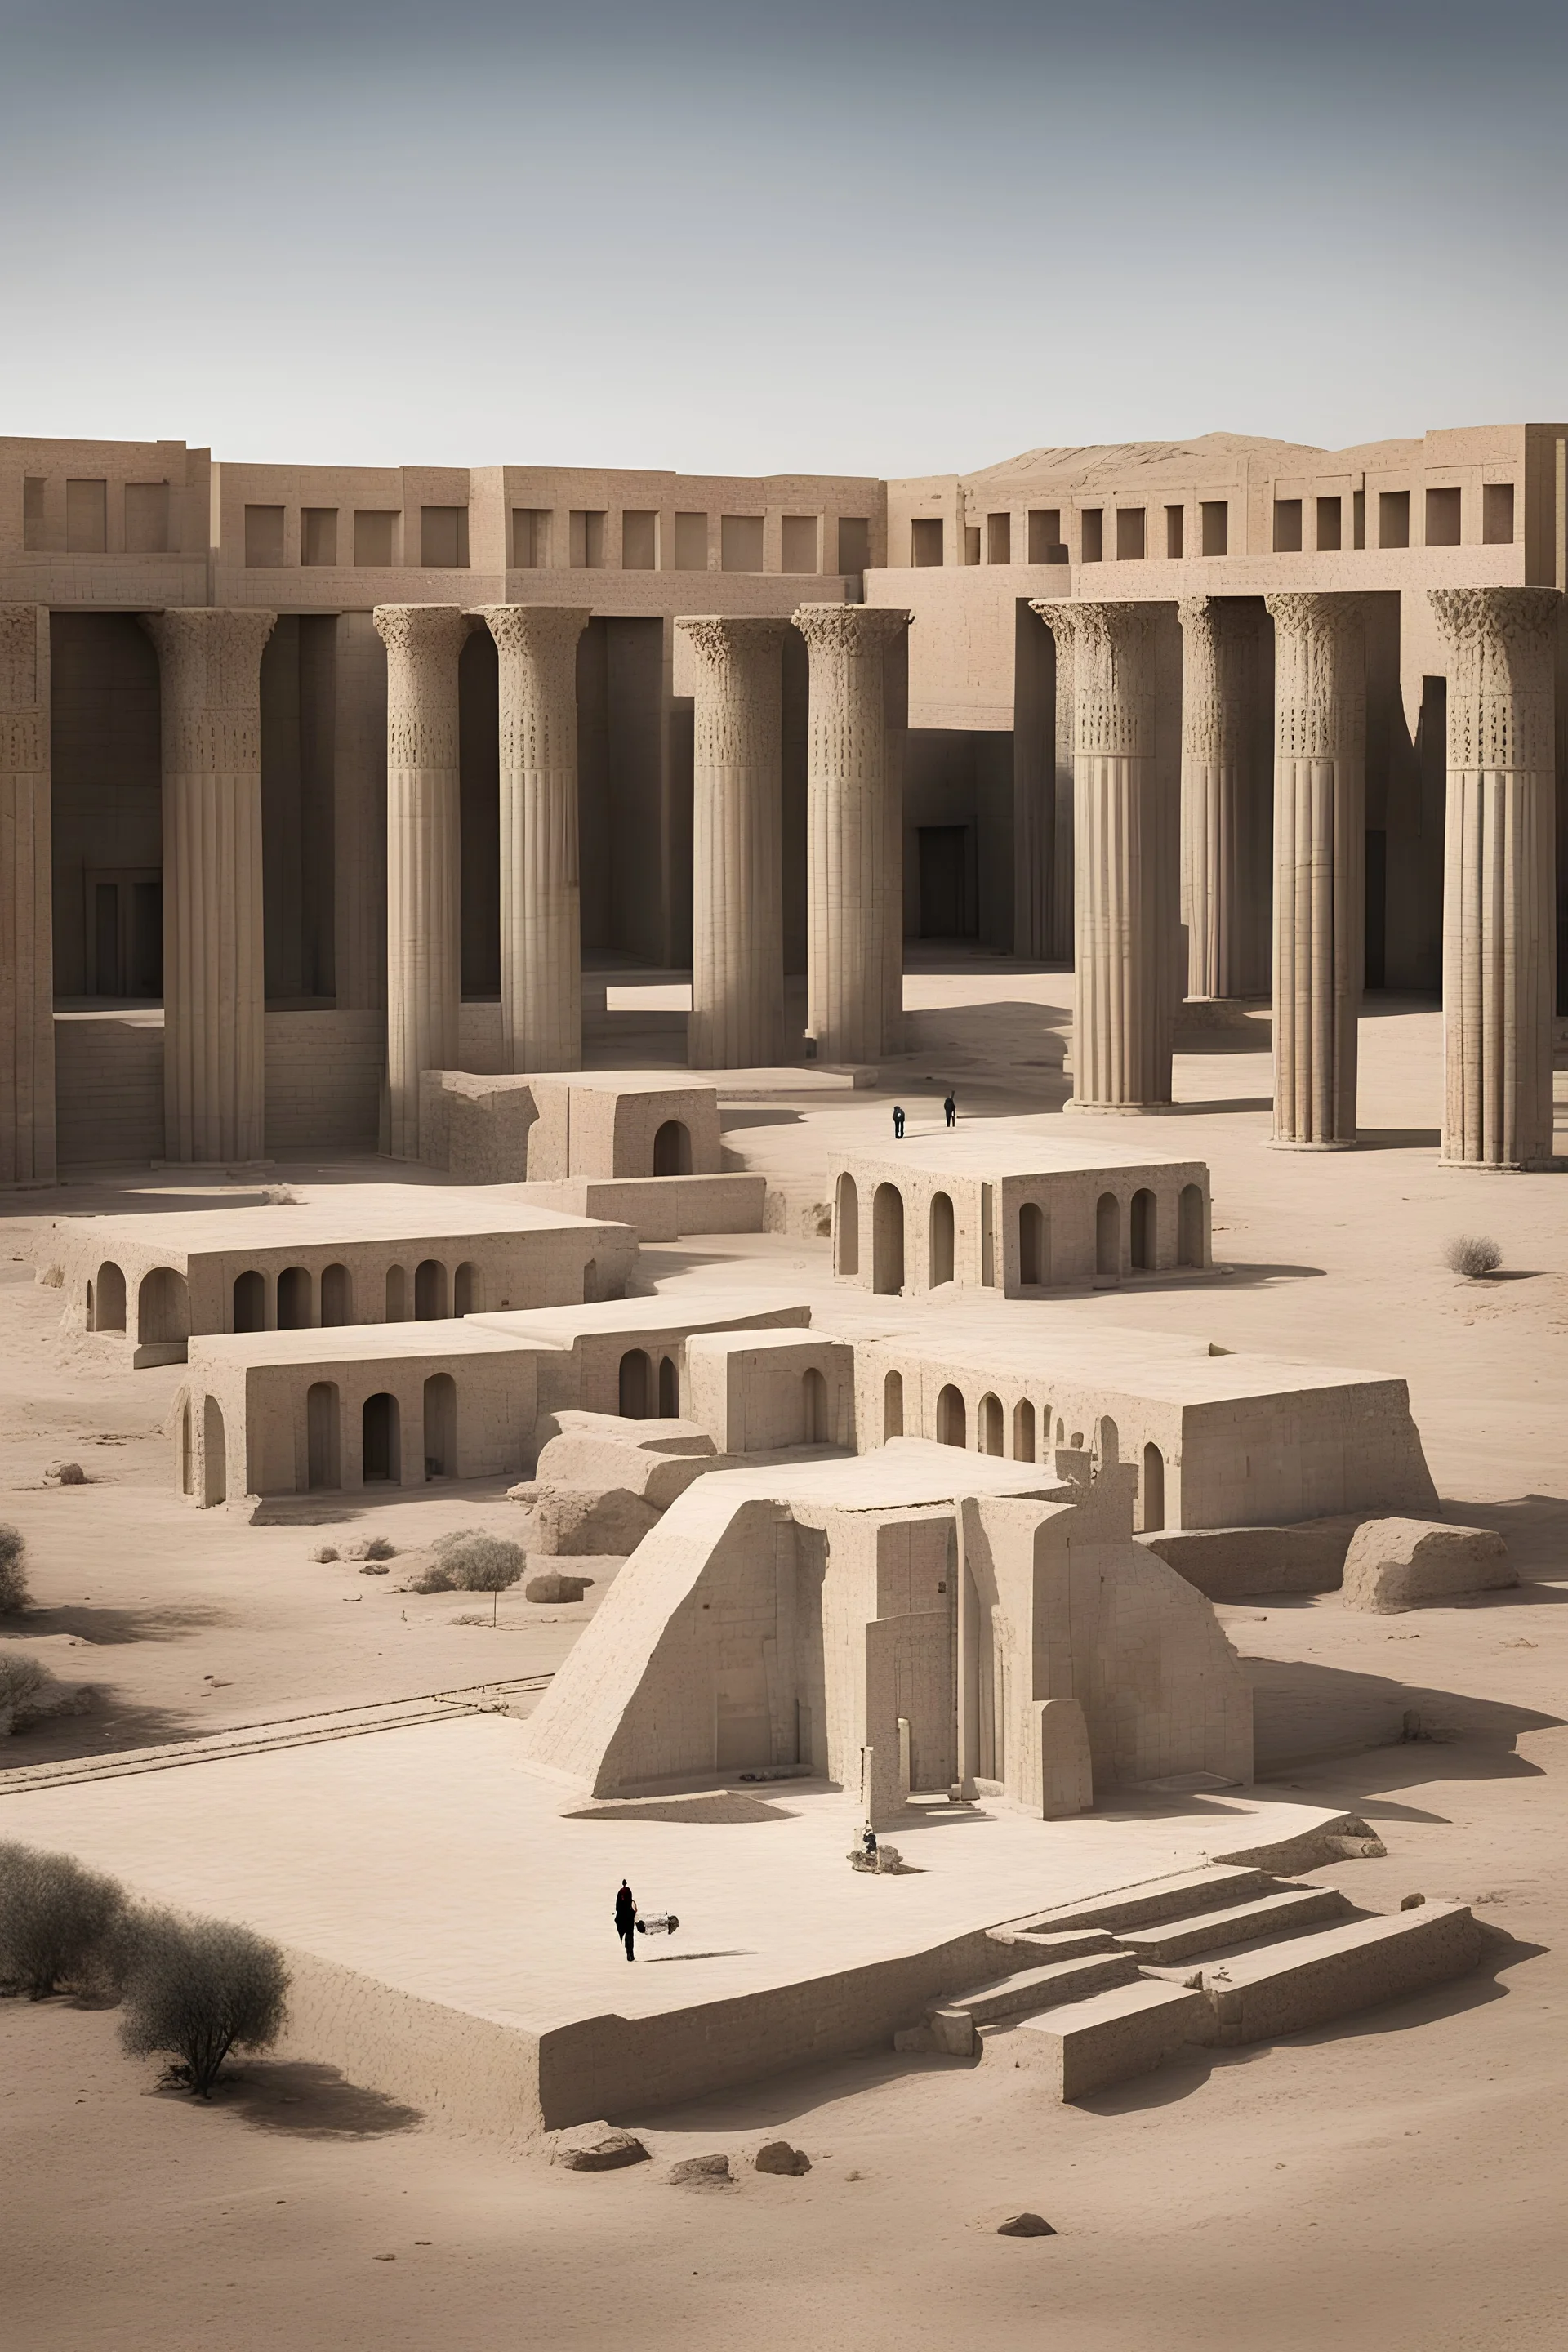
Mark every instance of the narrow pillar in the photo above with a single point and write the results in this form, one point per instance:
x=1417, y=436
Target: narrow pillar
x=1225, y=796
x=1499, y=905
x=855, y=838
x=737, y=896
x=1319, y=865
x=424, y=898
x=27, y=917
x=541, y=886
x=1126, y=853
x=215, y=969
x=1062, y=861
x=359, y=813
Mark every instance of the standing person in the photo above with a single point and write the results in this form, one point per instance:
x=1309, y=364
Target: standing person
x=950, y=1108
x=626, y=1919
x=898, y=1122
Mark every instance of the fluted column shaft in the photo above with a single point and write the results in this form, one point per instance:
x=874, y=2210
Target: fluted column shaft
x=423, y=878
x=359, y=813
x=1499, y=895
x=737, y=898
x=214, y=970
x=855, y=875
x=1226, y=792
x=26, y=917
x=1063, y=884
x=541, y=884
x=1126, y=858
x=1319, y=865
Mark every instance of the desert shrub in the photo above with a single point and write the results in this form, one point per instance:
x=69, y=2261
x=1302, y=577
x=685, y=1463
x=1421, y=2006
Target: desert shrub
x=434, y=1577
x=1471, y=1256
x=59, y=1923
x=197, y=1989
x=325, y=1552
x=13, y=1594
x=280, y=1196
x=470, y=1560
x=26, y=1686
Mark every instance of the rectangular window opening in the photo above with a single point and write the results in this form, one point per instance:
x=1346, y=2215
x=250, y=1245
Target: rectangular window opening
x=1130, y=534
x=1497, y=514
x=1092, y=532
x=799, y=542
x=1046, y=543
x=264, y=537
x=741, y=542
x=692, y=542
x=1176, y=525
x=444, y=538
x=1215, y=520
x=33, y=514
x=1444, y=516
x=1287, y=526
x=87, y=518
x=925, y=540
x=376, y=535
x=318, y=534
x=1329, y=525
x=999, y=539
x=639, y=542
x=531, y=539
x=1394, y=518
x=146, y=518
x=971, y=542
x=1358, y=519
x=854, y=544
x=587, y=530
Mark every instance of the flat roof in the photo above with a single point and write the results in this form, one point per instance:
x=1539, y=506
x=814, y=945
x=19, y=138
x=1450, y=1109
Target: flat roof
x=560, y=1326
x=340, y=1215
x=986, y=1152
x=1163, y=1366
x=357, y=1343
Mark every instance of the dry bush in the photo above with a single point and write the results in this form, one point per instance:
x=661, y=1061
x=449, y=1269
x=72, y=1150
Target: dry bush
x=29, y=1693
x=14, y=1594
x=1473, y=1256
x=197, y=1989
x=471, y=1560
x=59, y=1924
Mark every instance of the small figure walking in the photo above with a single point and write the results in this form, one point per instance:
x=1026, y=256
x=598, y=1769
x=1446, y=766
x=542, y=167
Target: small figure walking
x=626, y=1919
x=950, y=1108
x=898, y=1122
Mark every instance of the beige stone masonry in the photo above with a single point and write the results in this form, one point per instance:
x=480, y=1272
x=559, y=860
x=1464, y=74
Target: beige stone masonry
x=737, y=948
x=214, y=981
x=26, y=919
x=1499, y=890
x=1226, y=656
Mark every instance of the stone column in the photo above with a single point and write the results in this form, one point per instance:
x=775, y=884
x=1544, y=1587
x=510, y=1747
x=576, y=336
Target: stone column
x=26, y=917
x=1319, y=865
x=1126, y=851
x=540, y=889
x=1062, y=856
x=1499, y=903
x=737, y=907
x=215, y=964
x=423, y=894
x=855, y=860
x=359, y=815
x=1225, y=796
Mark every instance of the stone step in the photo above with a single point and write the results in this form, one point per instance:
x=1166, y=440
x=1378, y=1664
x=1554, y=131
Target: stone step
x=1171, y=1940
x=1065, y=1945
x=1111, y=2037
x=952, y=2023
x=1343, y=1969
x=1157, y=1898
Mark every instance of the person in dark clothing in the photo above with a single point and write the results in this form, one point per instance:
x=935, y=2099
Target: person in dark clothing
x=950, y=1108
x=898, y=1122
x=626, y=1919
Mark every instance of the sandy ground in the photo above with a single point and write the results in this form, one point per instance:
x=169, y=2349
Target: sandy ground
x=1395, y=2181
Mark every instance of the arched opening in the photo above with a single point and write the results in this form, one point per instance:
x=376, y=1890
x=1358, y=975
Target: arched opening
x=846, y=1227
x=888, y=1241
x=162, y=1308
x=892, y=1406
x=1190, y=1226
x=816, y=1401
x=250, y=1301
x=1034, y=1252
x=185, y=1446
x=1154, y=1489
x=215, y=1454
x=672, y=1148
x=952, y=1418
x=337, y=1295
x=636, y=1380
x=323, y=1457
x=669, y=1389
x=396, y=1295
x=1024, y=1431
x=294, y=1299
x=466, y=1289
x=591, y=1282
x=107, y=1312
x=1107, y=1237
x=380, y=1445
x=1108, y=1442
x=440, y=1426
x=991, y=1424
x=1145, y=1231
x=940, y=1252
x=429, y=1291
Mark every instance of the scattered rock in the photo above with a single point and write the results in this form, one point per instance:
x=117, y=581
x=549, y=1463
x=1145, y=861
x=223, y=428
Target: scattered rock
x=777, y=2155
x=369, y=1548
x=374, y=1567
x=65, y=1474
x=700, y=2171
x=1411, y=1902
x=1397, y=1564
x=1024, y=2225
x=552, y=1586
x=608, y=2153
x=325, y=1552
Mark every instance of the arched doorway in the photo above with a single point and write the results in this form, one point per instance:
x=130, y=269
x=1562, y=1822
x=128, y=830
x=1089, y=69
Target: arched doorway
x=466, y=1289
x=814, y=1400
x=215, y=1454
x=1190, y=1220
x=1024, y=1430
x=1107, y=1237
x=672, y=1148
x=1034, y=1256
x=892, y=1406
x=1108, y=1442
x=294, y=1299
x=429, y=1291
x=337, y=1295
x=847, y=1226
x=1145, y=1231
x=991, y=1424
x=250, y=1301
x=1153, y=1496
x=108, y=1303
x=669, y=1389
x=380, y=1440
x=888, y=1241
x=323, y=1454
x=636, y=1383
x=396, y=1295
x=939, y=1252
x=952, y=1418
x=440, y=1426
x=162, y=1308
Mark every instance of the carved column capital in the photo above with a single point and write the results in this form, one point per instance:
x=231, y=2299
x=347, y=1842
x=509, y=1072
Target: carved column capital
x=415, y=630
x=719, y=637
x=209, y=659
x=1501, y=696
x=23, y=690
x=423, y=644
x=1319, y=673
x=541, y=633
x=851, y=628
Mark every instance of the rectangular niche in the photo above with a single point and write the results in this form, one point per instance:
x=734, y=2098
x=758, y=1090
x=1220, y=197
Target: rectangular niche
x=741, y=542
x=376, y=535
x=639, y=541
x=264, y=537
x=146, y=518
x=318, y=534
x=692, y=542
x=799, y=538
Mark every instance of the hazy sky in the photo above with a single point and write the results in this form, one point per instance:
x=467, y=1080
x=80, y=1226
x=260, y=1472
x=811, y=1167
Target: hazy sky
x=868, y=236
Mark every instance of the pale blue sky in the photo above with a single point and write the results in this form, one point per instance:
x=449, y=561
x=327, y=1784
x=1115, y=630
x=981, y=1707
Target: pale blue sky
x=860, y=237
